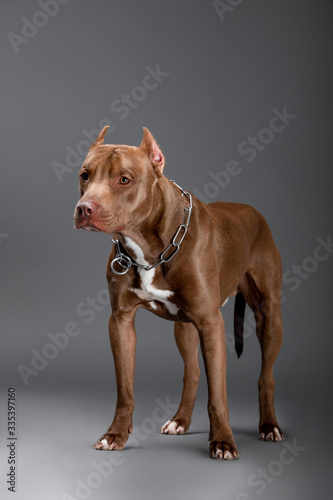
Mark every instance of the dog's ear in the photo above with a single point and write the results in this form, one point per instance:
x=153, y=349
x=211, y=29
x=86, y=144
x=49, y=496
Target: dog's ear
x=100, y=139
x=154, y=151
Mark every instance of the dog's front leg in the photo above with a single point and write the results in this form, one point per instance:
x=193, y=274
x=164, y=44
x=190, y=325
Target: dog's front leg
x=213, y=346
x=123, y=343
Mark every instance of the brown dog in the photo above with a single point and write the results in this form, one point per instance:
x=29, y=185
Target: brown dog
x=181, y=259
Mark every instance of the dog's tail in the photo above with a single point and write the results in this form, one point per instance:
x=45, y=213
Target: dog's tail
x=239, y=322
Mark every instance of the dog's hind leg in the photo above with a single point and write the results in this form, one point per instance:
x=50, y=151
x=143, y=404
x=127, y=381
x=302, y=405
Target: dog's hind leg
x=269, y=333
x=261, y=287
x=187, y=340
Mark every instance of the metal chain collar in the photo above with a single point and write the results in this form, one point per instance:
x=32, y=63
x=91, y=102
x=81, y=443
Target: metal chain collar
x=126, y=262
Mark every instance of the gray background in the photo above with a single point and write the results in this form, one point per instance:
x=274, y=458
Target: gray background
x=225, y=77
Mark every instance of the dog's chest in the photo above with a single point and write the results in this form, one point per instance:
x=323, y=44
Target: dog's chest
x=147, y=290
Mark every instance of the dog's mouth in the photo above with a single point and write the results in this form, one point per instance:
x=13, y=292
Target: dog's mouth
x=89, y=226
x=80, y=223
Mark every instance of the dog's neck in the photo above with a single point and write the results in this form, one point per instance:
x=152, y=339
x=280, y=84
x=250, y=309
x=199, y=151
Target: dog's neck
x=153, y=234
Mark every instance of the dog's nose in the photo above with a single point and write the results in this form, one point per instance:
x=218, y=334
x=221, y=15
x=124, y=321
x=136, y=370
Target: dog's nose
x=86, y=208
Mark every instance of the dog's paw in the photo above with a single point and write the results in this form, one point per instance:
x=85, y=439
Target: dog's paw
x=172, y=427
x=111, y=442
x=221, y=450
x=270, y=433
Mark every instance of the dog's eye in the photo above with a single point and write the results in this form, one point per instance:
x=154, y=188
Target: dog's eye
x=84, y=176
x=123, y=180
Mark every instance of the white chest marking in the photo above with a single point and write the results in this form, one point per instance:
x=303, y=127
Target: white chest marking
x=147, y=290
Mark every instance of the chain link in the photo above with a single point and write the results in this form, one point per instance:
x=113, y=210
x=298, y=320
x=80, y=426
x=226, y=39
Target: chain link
x=126, y=262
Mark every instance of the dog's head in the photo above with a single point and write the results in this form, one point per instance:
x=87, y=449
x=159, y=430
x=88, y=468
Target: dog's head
x=117, y=184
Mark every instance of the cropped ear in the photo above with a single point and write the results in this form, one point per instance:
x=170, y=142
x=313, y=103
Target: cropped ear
x=100, y=139
x=154, y=151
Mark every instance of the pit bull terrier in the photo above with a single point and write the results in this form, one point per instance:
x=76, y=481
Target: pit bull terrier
x=181, y=259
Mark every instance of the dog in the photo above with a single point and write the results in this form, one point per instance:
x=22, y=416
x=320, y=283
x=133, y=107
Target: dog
x=180, y=259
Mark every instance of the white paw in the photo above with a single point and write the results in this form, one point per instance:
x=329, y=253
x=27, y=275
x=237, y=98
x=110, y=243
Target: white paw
x=171, y=427
x=274, y=435
x=227, y=455
x=103, y=445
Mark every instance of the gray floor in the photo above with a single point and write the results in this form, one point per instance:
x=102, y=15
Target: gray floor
x=55, y=453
